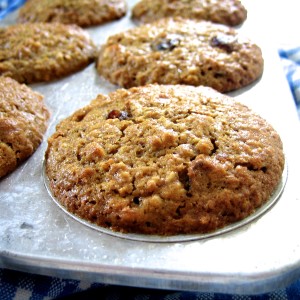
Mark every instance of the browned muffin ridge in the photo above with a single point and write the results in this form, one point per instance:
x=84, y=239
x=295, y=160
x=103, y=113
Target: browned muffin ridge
x=164, y=159
x=84, y=13
x=23, y=122
x=180, y=51
x=228, y=12
x=40, y=52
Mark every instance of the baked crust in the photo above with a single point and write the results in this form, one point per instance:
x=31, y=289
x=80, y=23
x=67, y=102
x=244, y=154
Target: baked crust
x=164, y=160
x=84, y=13
x=180, y=51
x=228, y=12
x=23, y=122
x=43, y=52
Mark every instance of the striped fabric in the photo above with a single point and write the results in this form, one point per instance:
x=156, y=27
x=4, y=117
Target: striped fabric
x=8, y=6
x=16, y=285
x=290, y=58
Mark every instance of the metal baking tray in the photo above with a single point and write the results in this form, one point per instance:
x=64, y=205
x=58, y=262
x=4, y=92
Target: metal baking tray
x=261, y=255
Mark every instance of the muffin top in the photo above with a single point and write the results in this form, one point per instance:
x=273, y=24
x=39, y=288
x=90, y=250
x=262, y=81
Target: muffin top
x=228, y=12
x=181, y=51
x=164, y=159
x=42, y=52
x=84, y=13
x=23, y=122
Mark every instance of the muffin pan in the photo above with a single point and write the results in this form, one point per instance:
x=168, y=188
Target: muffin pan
x=254, y=256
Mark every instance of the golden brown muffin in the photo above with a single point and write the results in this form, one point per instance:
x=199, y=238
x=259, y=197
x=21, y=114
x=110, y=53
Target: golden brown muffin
x=228, y=12
x=43, y=52
x=180, y=51
x=81, y=12
x=164, y=160
x=23, y=121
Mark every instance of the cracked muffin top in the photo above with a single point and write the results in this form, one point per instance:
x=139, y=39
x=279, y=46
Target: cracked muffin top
x=228, y=12
x=181, y=51
x=164, y=159
x=84, y=13
x=23, y=122
x=37, y=52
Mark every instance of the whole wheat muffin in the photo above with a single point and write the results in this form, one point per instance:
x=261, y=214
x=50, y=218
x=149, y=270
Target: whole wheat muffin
x=23, y=121
x=164, y=160
x=228, y=12
x=42, y=52
x=180, y=51
x=81, y=12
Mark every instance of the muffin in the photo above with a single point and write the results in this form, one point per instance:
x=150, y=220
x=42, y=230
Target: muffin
x=23, y=122
x=181, y=51
x=228, y=12
x=41, y=52
x=164, y=160
x=84, y=13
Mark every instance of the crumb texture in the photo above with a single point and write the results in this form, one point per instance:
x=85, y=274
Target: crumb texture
x=43, y=52
x=23, y=121
x=180, y=51
x=164, y=160
x=228, y=12
x=84, y=13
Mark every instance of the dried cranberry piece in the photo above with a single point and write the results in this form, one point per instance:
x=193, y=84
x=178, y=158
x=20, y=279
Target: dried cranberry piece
x=117, y=114
x=224, y=42
x=166, y=44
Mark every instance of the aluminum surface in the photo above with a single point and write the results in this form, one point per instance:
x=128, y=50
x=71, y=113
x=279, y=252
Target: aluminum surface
x=37, y=236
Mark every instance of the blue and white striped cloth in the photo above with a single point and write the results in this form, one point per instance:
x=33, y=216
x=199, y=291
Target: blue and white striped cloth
x=8, y=6
x=15, y=285
x=290, y=58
